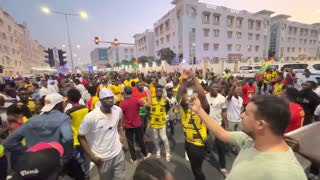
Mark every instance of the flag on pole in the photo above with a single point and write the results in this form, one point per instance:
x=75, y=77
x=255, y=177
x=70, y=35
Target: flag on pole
x=266, y=65
x=135, y=64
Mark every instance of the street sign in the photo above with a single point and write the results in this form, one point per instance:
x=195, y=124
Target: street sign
x=90, y=68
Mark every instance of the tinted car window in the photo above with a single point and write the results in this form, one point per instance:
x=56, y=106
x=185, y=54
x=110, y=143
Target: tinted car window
x=316, y=66
x=245, y=68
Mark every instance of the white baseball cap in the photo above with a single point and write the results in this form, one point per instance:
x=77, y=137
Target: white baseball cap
x=104, y=93
x=50, y=101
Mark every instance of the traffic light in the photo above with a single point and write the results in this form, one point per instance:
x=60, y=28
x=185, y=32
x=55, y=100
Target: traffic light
x=62, y=55
x=96, y=40
x=1, y=68
x=49, y=55
x=115, y=42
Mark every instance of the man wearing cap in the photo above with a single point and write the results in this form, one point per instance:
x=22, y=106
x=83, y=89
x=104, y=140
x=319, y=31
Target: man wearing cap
x=101, y=136
x=51, y=125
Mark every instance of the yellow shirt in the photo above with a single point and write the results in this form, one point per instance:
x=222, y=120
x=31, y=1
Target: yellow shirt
x=158, y=114
x=77, y=114
x=127, y=83
x=191, y=134
x=268, y=77
x=117, y=90
x=277, y=88
x=135, y=80
x=31, y=106
x=92, y=102
x=153, y=90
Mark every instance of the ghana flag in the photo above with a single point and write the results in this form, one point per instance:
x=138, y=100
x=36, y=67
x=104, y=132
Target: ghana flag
x=135, y=64
x=266, y=65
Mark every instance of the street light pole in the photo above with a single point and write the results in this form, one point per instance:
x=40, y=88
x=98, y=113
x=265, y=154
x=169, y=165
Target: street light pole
x=82, y=14
x=69, y=41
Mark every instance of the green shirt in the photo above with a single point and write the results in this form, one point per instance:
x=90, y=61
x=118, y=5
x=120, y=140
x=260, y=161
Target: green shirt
x=251, y=164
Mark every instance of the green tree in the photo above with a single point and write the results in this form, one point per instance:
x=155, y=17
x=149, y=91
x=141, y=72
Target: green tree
x=125, y=62
x=132, y=60
x=116, y=64
x=166, y=54
x=108, y=65
x=143, y=60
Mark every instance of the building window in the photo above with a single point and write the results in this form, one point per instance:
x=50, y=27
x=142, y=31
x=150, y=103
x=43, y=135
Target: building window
x=1, y=22
x=206, y=46
x=238, y=47
x=250, y=36
x=167, y=24
x=126, y=56
x=229, y=47
x=205, y=18
x=215, y=47
x=13, y=51
x=239, y=22
x=157, y=31
x=288, y=50
x=9, y=28
x=126, y=51
x=249, y=48
x=161, y=28
x=299, y=50
x=229, y=34
x=157, y=42
x=257, y=48
x=239, y=35
x=161, y=40
x=168, y=38
x=257, y=37
x=230, y=21
x=206, y=32
x=250, y=24
x=293, y=50
x=305, y=41
x=216, y=32
x=131, y=50
x=216, y=19
x=4, y=36
x=258, y=25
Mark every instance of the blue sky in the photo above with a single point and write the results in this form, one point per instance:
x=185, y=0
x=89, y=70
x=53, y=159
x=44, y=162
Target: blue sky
x=121, y=19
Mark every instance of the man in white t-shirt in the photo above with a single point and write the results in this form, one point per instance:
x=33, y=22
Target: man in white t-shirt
x=234, y=108
x=316, y=113
x=218, y=110
x=44, y=91
x=101, y=136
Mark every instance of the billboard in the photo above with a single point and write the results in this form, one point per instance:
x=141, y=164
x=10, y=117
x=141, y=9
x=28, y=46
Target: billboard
x=102, y=54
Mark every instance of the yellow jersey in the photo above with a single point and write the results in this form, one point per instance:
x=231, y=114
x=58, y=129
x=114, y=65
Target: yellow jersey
x=190, y=133
x=158, y=114
x=77, y=114
x=117, y=90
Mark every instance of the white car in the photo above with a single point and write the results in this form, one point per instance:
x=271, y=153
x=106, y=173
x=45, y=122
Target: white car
x=248, y=71
x=314, y=68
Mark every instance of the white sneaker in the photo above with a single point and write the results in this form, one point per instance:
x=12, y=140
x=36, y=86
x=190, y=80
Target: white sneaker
x=147, y=157
x=186, y=156
x=168, y=157
x=158, y=154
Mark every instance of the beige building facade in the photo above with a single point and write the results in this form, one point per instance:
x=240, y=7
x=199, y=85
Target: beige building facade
x=18, y=52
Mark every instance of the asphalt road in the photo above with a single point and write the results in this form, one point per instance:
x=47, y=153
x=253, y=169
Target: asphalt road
x=179, y=166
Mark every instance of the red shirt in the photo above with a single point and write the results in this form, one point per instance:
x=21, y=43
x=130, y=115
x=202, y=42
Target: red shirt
x=130, y=108
x=297, y=117
x=137, y=94
x=290, y=79
x=246, y=92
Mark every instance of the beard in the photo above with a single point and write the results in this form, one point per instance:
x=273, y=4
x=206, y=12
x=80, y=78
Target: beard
x=107, y=105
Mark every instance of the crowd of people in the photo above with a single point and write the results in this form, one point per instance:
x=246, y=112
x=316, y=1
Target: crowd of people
x=54, y=126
